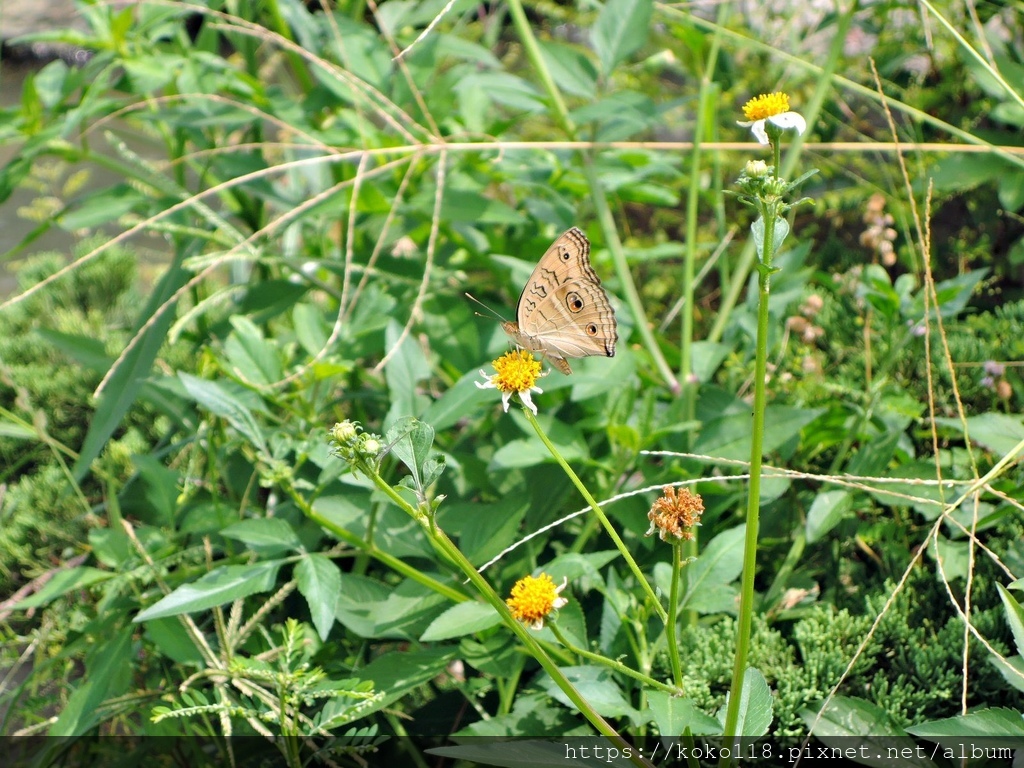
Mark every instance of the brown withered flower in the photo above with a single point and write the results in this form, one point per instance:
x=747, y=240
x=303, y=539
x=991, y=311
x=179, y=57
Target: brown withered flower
x=674, y=513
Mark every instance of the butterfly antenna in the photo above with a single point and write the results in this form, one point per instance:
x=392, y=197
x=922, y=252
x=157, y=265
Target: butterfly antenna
x=471, y=297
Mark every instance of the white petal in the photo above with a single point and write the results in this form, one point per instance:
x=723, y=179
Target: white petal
x=504, y=400
x=758, y=130
x=789, y=120
x=528, y=401
x=487, y=383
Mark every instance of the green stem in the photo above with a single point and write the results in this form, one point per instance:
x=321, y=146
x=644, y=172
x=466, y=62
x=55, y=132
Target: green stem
x=673, y=609
x=619, y=543
x=746, y=609
x=825, y=87
x=618, y=666
x=454, y=555
x=391, y=561
x=532, y=645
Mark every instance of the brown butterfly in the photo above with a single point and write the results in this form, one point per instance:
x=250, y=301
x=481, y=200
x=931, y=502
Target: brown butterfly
x=563, y=311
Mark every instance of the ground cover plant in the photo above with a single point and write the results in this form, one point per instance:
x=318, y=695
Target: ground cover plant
x=298, y=485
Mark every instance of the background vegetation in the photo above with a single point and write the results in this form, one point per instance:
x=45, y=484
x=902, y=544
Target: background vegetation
x=322, y=204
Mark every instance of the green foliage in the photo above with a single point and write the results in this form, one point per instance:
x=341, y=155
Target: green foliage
x=278, y=503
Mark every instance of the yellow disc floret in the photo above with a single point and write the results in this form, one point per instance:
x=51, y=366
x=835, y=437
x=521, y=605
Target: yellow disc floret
x=534, y=598
x=516, y=371
x=766, y=105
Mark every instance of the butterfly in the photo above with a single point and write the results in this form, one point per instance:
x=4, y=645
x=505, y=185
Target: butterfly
x=563, y=311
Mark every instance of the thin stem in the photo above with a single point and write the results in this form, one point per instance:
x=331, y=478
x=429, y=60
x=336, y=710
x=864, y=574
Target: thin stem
x=746, y=609
x=532, y=645
x=619, y=543
x=673, y=609
x=397, y=565
x=618, y=666
x=447, y=549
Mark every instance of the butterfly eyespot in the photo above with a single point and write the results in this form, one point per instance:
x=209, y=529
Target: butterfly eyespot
x=591, y=330
x=574, y=302
x=566, y=255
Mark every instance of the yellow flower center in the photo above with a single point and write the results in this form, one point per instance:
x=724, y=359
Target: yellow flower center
x=766, y=105
x=516, y=371
x=532, y=598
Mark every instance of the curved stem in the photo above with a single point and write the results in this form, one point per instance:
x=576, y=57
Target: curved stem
x=619, y=543
x=618, y=666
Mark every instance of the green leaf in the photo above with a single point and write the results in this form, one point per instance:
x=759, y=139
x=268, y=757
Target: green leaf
x=130, y=375
x=953, y=295
x=501, y=88
x=718, y=565
x=404, y=370
x=399, y=672
x=728, y=437
x=755, y=711
x=674, y=715
x=310, y=329
x=251, y=356
x=886, y=744
x=570, y=69
x=88, y=351
x=998, y=432
x=410, y=440
x=173, y=640
x=598, y=686
x=621, y=28
x=990, y=723
x=484, y=530
x=17, y=430
x=462, y=619
x=925, y=499
x=955, y=557
x=218, y=401
x=1014, y=617
x=457, y=402
x=1012, y=670
x=828, y=508
x=152, y=72
x=319, y=582
x=374, y=610
x=81, y=713
x=779, y=233
x=102, y=207
x=267, y=535
x=62, y=583
x=219, y=586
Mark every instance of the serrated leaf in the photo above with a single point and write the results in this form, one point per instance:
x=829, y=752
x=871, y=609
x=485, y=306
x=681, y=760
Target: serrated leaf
x=673, y=715
x=319, y=582
x=718, y=565
x=828, y=508
x=621, y=28
x=460, y=620
x=218, y=401
x=989, y=723
x=264, y=533
x=219, y=586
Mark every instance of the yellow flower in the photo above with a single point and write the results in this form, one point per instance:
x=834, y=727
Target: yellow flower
x=774, y=108
x=517, y=371
x=673, y=514
x=534, y=598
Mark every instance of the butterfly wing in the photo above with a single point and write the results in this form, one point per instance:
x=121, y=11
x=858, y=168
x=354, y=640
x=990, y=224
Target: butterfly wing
x=563, y=311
